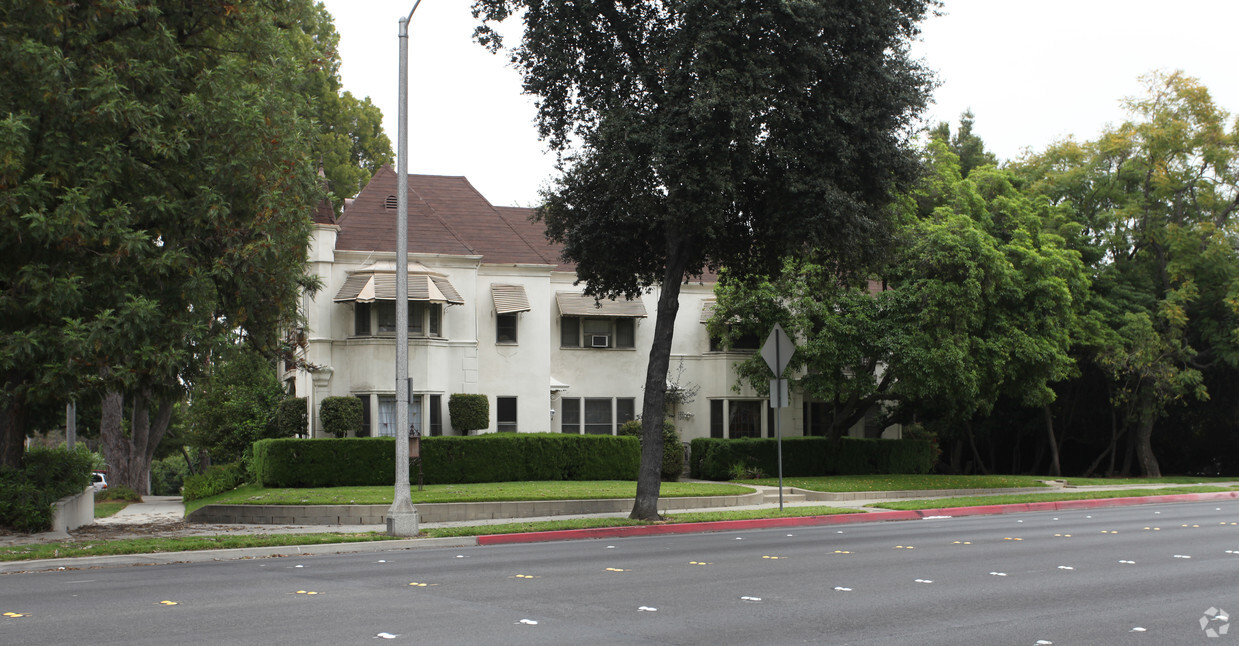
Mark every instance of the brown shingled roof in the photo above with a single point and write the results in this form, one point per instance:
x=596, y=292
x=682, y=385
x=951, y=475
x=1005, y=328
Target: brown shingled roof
x=323, y=213
x=446, y=216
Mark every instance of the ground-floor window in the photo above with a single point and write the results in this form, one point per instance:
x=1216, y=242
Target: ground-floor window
x=734, y=418
x=595, y=415
x=816, y=418
x=505, y=414
x=383, y=423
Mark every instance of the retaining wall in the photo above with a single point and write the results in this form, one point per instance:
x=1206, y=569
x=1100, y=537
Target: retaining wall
x=444, y=512
x=74, y=511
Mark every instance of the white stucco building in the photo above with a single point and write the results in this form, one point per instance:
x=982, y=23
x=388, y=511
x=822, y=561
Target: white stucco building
x=494, y=312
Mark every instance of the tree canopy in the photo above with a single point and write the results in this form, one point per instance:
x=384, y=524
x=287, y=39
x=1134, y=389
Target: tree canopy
x=1157, y=199
x=978, y=299
x=157, y=174
x=709, y=134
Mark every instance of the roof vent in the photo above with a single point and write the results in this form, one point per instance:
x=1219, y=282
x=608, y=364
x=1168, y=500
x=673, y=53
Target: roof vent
x=391, y=202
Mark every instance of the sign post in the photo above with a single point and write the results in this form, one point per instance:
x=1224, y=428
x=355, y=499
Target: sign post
x=777, y=351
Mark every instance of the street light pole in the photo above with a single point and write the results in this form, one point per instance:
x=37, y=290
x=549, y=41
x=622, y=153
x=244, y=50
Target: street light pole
x=402, y=517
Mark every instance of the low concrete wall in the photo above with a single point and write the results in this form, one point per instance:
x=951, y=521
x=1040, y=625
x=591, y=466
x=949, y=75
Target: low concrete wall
x=444, y=512
x=74, y=511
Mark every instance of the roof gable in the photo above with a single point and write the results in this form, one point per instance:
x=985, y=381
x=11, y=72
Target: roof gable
x=447, y=216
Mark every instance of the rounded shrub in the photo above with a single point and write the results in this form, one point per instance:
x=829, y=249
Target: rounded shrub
x=469, y=412
x=339, y=415
x=292, y=418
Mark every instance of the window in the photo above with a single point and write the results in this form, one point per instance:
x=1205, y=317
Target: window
x=365, y=415
x=422, y=317
x=625, y=410
x=435, y=312
x=734, y=418
x=570, y=415
x=361, y=319
x=747, y=341
x=436, y=415
x=505, y=328
x=602, y=415
x=598, y=417
x=387, y=416
x=570, y=331
x=816, y=418
x=505, y=414
x=597, y=332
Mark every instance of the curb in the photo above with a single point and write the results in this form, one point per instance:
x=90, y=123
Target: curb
x=844, y=519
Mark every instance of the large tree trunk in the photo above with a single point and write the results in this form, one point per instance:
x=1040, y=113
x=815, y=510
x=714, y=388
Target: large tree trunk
x=649, y=477
x=12, y=433
x=129, y=456
x=1149, y=467
x=976, y=455
x=1056, y=469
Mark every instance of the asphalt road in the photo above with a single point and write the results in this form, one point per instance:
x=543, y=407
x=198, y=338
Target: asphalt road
x=1136, y=575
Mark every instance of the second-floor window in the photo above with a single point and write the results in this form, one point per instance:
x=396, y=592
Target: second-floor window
x=379, y=319
x=597, y=332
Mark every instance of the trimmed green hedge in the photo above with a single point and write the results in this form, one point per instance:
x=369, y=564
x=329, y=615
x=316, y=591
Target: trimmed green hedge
x=47, y=475
x=712, y=458
x=673, y=451
x=494, y=457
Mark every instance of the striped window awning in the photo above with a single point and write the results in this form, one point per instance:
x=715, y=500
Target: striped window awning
x=367, y=287
x=577, y=304
x=509, y=299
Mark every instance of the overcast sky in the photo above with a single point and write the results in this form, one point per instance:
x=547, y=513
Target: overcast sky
x=1031, y=72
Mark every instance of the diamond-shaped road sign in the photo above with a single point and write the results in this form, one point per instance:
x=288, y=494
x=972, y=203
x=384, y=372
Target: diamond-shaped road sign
x=777, y=351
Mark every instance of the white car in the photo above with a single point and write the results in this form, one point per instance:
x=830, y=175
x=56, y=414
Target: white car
x=99, y=480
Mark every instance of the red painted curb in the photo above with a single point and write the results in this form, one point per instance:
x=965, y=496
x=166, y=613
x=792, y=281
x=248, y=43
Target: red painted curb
x=842, y=519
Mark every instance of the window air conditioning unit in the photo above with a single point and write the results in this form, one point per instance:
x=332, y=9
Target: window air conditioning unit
x=600, y=341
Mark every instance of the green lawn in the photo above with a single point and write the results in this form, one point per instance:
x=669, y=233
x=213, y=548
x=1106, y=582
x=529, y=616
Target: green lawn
x=475, y=492
x=66, y=549
x=902, y=482
x=970, y=501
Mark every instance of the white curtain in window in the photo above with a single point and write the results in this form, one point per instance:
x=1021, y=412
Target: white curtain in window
x=387, y=417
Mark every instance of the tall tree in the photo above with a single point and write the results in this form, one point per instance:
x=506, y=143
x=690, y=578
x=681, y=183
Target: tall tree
x=350, y=143
x=715, y=133
x=979, y=300
x=1158, y=198
x=156, y=179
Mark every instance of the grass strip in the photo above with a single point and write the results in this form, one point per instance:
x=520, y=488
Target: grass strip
x=901, y=482
x=474, y=492
x=66, y=549
x=109, y=508
x=1014, y=499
